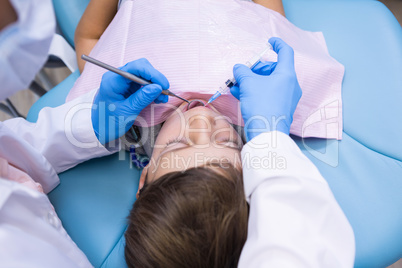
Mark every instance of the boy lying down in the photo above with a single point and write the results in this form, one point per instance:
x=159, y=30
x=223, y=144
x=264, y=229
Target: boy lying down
x=191, y=209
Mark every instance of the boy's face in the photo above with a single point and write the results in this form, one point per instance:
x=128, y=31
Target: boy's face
x=191, y=138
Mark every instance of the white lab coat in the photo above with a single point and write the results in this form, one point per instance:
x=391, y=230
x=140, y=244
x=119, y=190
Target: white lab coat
x=31, y=235
x=294, y=218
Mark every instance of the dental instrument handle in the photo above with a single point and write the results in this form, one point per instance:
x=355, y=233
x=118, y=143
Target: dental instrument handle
x=127, y=75
x=231, y=82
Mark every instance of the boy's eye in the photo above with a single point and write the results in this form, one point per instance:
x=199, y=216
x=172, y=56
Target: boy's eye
x=175, y=141
x=228, y=142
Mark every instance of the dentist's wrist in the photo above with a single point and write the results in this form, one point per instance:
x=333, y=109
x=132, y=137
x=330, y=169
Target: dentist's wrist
x=259, y=125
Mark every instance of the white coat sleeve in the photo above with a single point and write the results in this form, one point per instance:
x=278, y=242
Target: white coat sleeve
x=64, y=135
x=31, y=234
x=294, y=219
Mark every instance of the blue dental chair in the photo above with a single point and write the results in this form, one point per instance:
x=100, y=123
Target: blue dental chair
x=364, y=170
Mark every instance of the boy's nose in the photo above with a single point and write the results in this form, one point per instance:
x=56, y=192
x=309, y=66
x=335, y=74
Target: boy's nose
x=202, y=122
x=200, y=129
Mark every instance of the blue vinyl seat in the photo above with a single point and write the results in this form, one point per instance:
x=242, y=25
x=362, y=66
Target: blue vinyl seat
x=95, y=197
x=364, y=170
x=68, y=14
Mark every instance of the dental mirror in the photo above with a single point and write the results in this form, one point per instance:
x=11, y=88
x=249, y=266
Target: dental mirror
x=195, y=103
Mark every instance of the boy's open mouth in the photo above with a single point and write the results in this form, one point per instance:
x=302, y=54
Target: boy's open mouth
x=196, y=103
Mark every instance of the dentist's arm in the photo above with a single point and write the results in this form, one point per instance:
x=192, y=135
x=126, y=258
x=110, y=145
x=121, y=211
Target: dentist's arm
x=77, y=131
x=294, y=219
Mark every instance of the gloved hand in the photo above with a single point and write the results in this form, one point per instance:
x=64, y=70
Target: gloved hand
x=269, y=94
x=120, y=100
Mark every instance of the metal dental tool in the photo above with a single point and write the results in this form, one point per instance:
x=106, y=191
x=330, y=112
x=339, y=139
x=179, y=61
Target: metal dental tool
x=128, y=75
x=195, y=103
x=232, y=81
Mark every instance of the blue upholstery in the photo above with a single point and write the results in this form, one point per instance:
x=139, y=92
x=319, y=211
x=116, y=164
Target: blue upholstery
x=95, y=197
x=55, y=97
x=68, y=14
x=367, y=180
x=93, y=202
x=364, y=170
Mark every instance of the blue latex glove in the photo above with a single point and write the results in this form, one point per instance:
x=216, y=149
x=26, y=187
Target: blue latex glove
x=269, y=94
x=120, y=100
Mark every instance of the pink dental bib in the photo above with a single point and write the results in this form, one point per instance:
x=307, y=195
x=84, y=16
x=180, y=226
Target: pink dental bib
x=195, y=44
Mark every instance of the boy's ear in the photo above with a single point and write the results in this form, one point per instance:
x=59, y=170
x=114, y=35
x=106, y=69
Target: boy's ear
x=142, y=179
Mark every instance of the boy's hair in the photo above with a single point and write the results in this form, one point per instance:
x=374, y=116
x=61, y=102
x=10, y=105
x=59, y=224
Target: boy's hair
x=195, y=218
